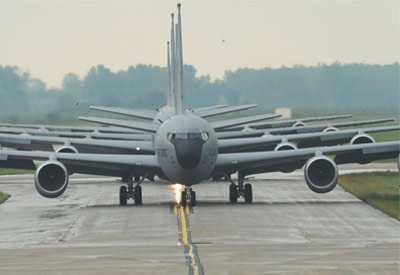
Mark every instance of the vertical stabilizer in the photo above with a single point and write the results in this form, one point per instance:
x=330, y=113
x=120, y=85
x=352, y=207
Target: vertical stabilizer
x=180, y=91
x=169, y=97
x=173, y=63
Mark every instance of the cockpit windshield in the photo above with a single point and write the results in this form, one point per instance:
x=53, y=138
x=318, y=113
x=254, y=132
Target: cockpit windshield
x=188, y=136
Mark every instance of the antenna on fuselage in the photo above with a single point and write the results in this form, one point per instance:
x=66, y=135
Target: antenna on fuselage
x=180, y=103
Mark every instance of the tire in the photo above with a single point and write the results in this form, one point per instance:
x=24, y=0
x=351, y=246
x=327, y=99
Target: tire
x=183, y=198
x=248, y=193
x=193, y=198
x=138, y=195
x=122, y=195
x=233, y=193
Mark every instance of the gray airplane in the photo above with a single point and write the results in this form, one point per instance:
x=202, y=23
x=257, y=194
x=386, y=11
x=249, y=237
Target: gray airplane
x=186, y=152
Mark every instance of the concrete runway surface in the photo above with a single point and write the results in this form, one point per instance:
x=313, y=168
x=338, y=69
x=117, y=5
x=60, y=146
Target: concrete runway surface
x=287, y=230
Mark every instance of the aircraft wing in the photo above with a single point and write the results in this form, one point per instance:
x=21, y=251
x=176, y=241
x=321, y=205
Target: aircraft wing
x=262, y=162
x=56, y=128
x=143, y=126
x=94, y=164
x=298, y=130
x=292, y=122
x=219, y=125
x=225, y=110
x=201, y=109
x=270, y=142
x=94, y=135
x=81, y=145
x=145, y=114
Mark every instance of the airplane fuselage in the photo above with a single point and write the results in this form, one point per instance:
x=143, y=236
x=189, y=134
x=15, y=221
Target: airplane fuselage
x=186, y=148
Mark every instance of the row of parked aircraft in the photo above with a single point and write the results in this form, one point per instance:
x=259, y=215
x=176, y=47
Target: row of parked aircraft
x=178, y=145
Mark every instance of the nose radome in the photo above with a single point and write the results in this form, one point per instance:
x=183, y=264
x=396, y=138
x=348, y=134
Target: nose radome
x=188, y=152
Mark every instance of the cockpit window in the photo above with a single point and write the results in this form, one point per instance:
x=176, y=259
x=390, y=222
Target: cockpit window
x=192, y=136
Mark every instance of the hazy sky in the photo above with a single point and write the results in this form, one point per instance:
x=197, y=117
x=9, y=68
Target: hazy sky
x=51, y=38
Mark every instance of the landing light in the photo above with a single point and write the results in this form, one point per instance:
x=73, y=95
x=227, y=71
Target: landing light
x=177, y=189
x=137, y=148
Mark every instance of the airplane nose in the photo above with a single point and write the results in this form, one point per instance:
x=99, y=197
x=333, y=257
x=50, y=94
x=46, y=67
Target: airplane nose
x=188, y=152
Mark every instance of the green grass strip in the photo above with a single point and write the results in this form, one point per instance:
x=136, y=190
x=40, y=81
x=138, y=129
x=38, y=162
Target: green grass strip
x=3, y=197
x=379, y=189
x=6, y=171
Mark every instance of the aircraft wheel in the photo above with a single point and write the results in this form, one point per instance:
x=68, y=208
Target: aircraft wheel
x=193, y=198
x=248, y=193
x=183, y=198
x=122, y=195
x=138, y=194
x=233, y=193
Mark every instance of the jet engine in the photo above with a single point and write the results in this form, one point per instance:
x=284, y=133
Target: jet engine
x=299, y=124
x=330, y=129
x=51, y=179
x=321, y=174
x=362, y=138
x=67, y=149
x=285, y=146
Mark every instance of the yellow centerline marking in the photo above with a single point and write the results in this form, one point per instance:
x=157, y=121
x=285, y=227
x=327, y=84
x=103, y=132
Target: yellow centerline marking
x=185, y=238
x=184, y=228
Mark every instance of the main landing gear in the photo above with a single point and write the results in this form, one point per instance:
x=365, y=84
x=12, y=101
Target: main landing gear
x=240, y=190
x=131, y=192
x=188, y=195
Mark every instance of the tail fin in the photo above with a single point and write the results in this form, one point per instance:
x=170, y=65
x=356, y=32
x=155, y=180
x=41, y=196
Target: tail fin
x=173, y=63
x=180, y=103
x=169, y=78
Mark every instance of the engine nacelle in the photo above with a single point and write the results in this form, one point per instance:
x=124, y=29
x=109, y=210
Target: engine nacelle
x=321, y=174
x=330, y=129
x=285, y=146
x=67, y=149
x=51, y=179
x=299, y=124
x=398, y=162
x=362, y=138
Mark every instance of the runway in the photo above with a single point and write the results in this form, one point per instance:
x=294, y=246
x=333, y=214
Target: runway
x=287, y=230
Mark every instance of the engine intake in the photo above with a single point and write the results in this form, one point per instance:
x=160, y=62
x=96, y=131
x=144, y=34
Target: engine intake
x=321, y=174
x=285, y=146
x=330, y=129
x=67, y=149
x=299, y=124
x=362, y=138
x=51, y=179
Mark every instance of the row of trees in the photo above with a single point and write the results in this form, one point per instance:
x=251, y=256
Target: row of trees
x=144, y=86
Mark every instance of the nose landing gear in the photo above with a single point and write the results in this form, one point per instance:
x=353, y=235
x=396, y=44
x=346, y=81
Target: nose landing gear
x=240, y=190
x=132, y=192
x=188, y=195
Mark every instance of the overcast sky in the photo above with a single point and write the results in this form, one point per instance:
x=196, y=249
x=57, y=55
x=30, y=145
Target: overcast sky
x=52, y=38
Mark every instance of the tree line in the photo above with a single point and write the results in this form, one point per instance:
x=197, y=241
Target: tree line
x=144, y=86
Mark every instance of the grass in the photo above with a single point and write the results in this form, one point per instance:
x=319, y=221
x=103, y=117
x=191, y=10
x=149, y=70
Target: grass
x=379, y=189
x=6, y=171
x=3, y=197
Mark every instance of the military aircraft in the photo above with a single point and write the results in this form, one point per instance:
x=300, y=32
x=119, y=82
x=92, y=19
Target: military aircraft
x=186, y=152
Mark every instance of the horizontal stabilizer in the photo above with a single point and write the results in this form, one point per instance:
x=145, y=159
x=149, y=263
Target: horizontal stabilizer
x=143, y=126
x=145, y=114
